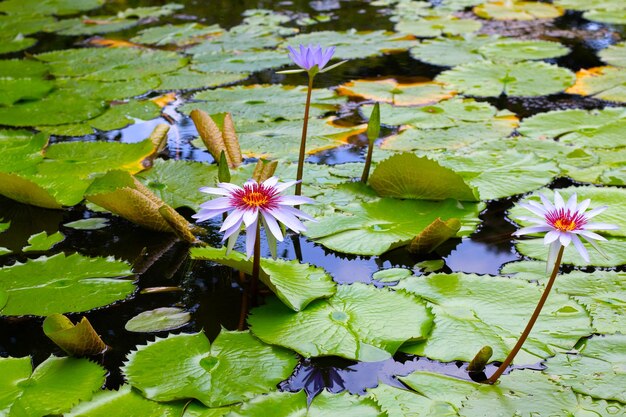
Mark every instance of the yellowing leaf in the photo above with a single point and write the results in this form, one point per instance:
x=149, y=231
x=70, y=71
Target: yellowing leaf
x=113, y=43
x=164, y=100
x=418, y=93
x=79, y=340
x=434, y=235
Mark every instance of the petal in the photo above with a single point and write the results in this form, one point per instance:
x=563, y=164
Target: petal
x=231, y=241
x=589, y=235
x=271, y=239
x=595, y=211
x=294, y=200
x=565, y=238
x=203, y=215
x=552, y=254
x=250, y=216
x=272, y=225
x=212, y=190
x=282, y=187
x=536, y=208
x=287, y=219
x=546, y=203
x=235, y=217
x=531, y=229
x=296, y=212
x=551, y=237
x=250, y=238
x=597, y=248
x=580, y=248
x=532, y=220
x=600, y=226
x=218, y=203
x=583, y=205
x=228, y=186
x=572, y=203
x=558, y=201
x=270, y=182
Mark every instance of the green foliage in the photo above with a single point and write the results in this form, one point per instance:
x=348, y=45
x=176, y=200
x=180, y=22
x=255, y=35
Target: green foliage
x=235, y=367
x=76, y=339
x=158, y=320
x=359, y=322
x=614, y=55
x=63, y=284
x=93, y=223
x=433, y=26
x=182, y=34
x=48, y=7
x=42, y=242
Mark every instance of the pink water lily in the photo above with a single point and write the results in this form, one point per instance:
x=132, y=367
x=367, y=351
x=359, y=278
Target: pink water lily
x=565, y=223
x=247, y=204
x=309, y=56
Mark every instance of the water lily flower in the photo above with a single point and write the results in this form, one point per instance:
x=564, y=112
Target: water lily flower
x=565, y=223
x=309, y=56
x=245, y=205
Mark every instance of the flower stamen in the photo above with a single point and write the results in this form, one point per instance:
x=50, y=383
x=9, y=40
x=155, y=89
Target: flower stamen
x=565, y=221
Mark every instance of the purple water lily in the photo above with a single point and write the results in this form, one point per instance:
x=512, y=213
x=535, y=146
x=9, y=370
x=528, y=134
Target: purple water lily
x=309, y=56
x=247, y=204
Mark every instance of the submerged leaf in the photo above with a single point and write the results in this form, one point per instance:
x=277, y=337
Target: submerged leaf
x=42, y=242
x=93, y=223
x=434, y=235
x=75, y=339
x=158, y=320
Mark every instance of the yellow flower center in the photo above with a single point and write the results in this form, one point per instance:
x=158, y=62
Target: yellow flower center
x=565, y=225
x=255, y=199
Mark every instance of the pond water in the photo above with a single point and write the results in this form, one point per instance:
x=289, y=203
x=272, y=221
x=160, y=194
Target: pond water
x=210, y=291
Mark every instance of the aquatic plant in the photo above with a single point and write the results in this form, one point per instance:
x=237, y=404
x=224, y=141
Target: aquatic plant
x=564, y=223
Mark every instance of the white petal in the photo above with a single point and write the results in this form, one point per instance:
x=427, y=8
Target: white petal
x=580, y=248
x=572, y=203
x=231, y=241
x=282, y=187
x=595, y=211
x=583, y=205
x=546, y=203
x=565, y=238
x=250, y=216
x=597, y=248
x=550, y=237
x=270, y=182
x=250, y=238
x=271, y=239
x=532, y=220
x=233, y=218
x=536, y=208
x=558, y=201
x=294, y=200
x=272, y=225
x=552, y=254
x=600, y=226
x=228, y=186
x=203, y=215
x=589, y=235
x=212, y=190
x=296, y=212
x=218, y=203
x=531, y=229
x=287, y=219
x=236, y=228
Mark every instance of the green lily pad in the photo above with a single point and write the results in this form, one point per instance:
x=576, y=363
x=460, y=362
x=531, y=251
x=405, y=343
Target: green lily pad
x=408, y=176
x=434, y=26
x=614, y=17
x=68, y=109
x=11, y=27
x=4, y=226
x=373, y=228
x=257, y=103
x=21, y=149
x=388, y=90
x=294, y=283
x=490, y=79
x=63, y=284
x=472, y=311
x=235, y=367
x=605, y=83
x=287, y=404
x=614, y=55
x=392, y=274
x=597, y=369
x=53, y=388
x=151, y=11
x=352, y=44
x=182, y=34
x=498, y=175
x=590, y=4
x=42, y=242
x=111, y=64
x=614, y=248
x=90, y=25
x=93, y=223
x=244, y=61
x=124, y=401
x=185, y=79
x=517, y=10
x=451, y=51
x=48, y=7
x=14, y=44
x=107, y=90
x=513, y=50
x=158, y=320
x=359, y=322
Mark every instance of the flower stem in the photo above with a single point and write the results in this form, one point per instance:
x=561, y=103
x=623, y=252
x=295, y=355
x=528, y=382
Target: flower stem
x=305, y=126
x=532, y=320
x=368, y=162
x=256, y=263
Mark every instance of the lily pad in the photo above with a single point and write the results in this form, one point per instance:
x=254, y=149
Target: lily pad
x=590, y=4
x=409, y=176
x=614, y=248
x=359, y=322
x=124, y=401
x=93, y=223
x=42, y=242
x=12, y=27
x=21, y=149
x=48, y=7
x=78, y=339
x=287, y=404
x=605, y=83
x=90, y=25
x=235, y=367
x=433, y=26
x=614, y=55
x=614, y=17
x=472, y=311
x=182, y=34
x=373, y=228
x=257, y=103
x=244, y=61
x=294, y=283
x=158, y=320
x=517, y=10
x=14, y=44
x=111, y=64
x=63, y=284
x=399, y=94
x=352, y=44
x=451, y=51
x=491, y=79
x=53, y=387
x=392, y=274
x=597, y=369
x=185, y=79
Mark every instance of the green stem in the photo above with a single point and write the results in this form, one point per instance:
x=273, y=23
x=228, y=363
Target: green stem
x=532, y=320
x=368, y=162
x=305, y=125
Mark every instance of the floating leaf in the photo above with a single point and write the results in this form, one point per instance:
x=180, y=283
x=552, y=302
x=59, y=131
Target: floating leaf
x=126, y=401
x=93, y=223
x=517, y=10
x=183, y=34
x=287, y=404
x=243, y=61
x=433, y=26
x=91, y=25
x=398, y=94
x=53, y=387
x=63, y=284
x=451, y=51
x=108, y=90
x=235, y=367
x=392, y=274
x=614, y=248
x=294, y=283
x=21, y=149
x=614, y=55
x=472, y=311
x=21, y=80
x=158, y=320
x=434, y=235
x=605, y=83
x=48, y=7
x=490, y=79
x=359, y=322
x=185, y=78
x=375, y=227
x=257, y=102
x=615, y=17
x=597, y=369
x=12, y=27
x=590, y=4
x=75, y=339
x=408, y=176
x=42, y=242
x=353, y=44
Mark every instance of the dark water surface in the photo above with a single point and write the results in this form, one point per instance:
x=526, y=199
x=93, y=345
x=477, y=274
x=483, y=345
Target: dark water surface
x=209, y=291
